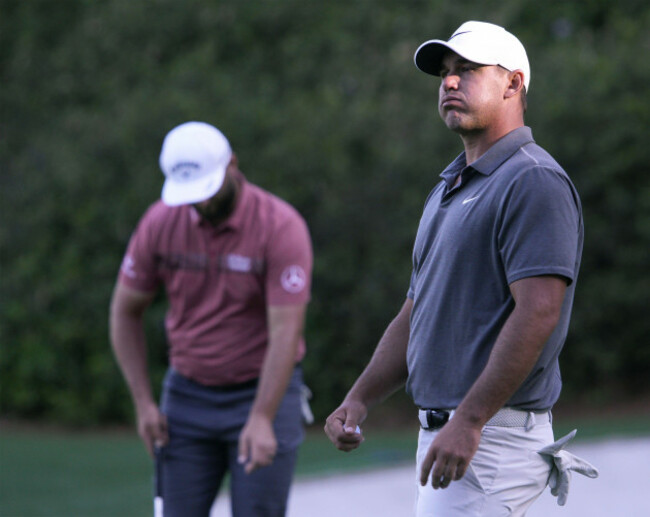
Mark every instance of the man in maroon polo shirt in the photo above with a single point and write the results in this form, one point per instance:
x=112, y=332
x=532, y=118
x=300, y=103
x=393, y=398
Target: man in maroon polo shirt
x=235, y=262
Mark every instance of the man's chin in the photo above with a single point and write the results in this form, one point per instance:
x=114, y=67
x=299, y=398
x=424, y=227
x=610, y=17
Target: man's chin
x=459, y=125
x=455, y=124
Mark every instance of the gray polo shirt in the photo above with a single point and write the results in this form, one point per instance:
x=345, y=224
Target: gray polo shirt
x=514, y=215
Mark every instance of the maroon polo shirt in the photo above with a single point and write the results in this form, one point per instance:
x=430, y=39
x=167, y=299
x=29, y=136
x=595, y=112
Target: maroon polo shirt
x=219, y=280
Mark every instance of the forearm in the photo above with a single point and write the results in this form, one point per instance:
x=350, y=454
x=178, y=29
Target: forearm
x=130, y=349
x=515, y=353
x=274, y=379
x=285, y=331
x=387, y=370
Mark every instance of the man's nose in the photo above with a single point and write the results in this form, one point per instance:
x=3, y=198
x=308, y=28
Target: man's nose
x=450, y=82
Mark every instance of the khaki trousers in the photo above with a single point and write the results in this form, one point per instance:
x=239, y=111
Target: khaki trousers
x=503, y=479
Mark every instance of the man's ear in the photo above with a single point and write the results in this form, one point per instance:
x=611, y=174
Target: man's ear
x=515, y=85
x=234, y=160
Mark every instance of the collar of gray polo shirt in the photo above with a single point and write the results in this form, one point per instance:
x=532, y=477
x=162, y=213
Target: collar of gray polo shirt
x=490, y=161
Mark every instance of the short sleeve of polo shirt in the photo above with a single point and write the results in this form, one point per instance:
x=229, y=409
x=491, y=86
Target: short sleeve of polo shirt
x=539, y=226
x=138, y=269
x=289, y=263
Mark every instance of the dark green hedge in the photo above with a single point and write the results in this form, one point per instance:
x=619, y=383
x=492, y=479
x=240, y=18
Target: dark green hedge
x=323, y=105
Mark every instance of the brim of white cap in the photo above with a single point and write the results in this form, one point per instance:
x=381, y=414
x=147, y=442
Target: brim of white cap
x=428, y=56
x=175, y=193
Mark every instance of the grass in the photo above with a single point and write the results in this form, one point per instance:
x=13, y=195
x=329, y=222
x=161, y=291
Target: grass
x=45, y=472
x=69, y=474
x=72, y=474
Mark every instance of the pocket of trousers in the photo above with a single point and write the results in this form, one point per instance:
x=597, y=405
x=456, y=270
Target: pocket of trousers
x=508, y=455
x=485, y=465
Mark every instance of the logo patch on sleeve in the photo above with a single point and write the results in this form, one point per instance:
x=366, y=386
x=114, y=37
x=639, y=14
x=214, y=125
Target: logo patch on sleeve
x=127, y=267
x=293, y=279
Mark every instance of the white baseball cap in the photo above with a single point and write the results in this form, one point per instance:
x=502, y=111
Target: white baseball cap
x=194, y=158
x=478, y=42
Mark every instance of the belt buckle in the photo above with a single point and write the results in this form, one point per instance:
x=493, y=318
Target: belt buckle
x=437, y=418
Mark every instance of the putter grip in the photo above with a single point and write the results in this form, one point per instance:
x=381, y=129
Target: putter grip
x=158, y=497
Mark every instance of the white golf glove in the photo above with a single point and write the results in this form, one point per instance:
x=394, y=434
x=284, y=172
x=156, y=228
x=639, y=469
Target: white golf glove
x=305, y=409
x=563, y=462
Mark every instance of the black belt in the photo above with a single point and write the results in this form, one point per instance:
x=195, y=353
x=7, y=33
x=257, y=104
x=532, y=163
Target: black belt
x=435, y=418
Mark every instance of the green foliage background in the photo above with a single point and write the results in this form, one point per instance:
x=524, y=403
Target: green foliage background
x=324, y=107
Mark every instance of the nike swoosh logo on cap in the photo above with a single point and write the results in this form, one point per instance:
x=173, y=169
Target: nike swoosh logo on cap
x=458, y=34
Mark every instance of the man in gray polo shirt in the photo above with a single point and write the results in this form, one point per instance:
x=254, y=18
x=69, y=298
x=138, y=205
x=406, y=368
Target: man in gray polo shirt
x=495, y=263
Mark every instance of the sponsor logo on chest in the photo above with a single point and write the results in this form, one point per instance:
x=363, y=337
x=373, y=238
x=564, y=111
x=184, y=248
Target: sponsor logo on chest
x=238, y=263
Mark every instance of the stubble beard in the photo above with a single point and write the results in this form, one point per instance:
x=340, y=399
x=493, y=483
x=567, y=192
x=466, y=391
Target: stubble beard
x=462, y=123
x=457, y=123
x=221, y=206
